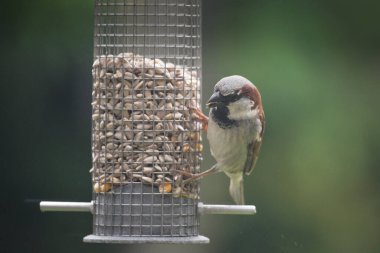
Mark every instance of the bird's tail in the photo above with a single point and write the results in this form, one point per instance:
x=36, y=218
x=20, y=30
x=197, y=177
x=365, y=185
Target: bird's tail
x=237, y=188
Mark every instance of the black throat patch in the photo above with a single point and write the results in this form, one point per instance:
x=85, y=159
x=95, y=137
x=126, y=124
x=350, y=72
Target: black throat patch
x=219, y=115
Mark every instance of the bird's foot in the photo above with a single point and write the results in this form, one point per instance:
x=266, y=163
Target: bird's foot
x=189, y=176
x=181, y=172
x=196, y=176
x=198, y=115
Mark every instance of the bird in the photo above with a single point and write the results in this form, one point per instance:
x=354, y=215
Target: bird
x=235, y=128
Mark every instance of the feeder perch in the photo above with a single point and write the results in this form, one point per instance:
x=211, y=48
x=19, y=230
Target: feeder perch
x=146, y=80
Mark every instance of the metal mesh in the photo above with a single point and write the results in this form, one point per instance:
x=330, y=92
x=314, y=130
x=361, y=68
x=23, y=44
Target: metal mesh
x=146, y=79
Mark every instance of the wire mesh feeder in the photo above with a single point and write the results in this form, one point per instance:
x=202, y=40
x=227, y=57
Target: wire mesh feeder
x=146, y=78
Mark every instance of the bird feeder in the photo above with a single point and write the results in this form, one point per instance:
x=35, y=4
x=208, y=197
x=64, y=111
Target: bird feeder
x=146, y=80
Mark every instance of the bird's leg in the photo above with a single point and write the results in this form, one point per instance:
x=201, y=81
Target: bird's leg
x=203, y=174
x=197, y=176
x=199, y=116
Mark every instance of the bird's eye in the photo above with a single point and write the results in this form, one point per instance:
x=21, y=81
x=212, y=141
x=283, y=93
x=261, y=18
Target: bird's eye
x=235, y=96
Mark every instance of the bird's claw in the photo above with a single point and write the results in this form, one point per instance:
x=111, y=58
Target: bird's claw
x=189, y=176
x=198, y=115
x=174, y=172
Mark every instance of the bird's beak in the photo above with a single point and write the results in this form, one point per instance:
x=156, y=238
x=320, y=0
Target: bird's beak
x=214, y=100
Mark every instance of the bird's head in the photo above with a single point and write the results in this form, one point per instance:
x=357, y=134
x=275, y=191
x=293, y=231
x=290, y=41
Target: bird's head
x=238, y=95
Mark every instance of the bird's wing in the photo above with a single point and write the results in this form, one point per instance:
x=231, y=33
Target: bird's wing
x=254, y=149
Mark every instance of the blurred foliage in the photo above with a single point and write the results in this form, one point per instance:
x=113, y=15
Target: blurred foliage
x=316, y=185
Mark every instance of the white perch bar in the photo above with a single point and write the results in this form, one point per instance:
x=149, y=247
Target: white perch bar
x=226, y=209
x=56, y=206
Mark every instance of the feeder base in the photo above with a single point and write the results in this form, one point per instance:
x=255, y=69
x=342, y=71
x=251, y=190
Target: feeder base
x=146, y=239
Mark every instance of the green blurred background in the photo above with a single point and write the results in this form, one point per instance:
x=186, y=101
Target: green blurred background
x=317, y=182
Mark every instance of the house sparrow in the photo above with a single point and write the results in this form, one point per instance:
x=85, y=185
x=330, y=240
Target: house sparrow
x=235, y=129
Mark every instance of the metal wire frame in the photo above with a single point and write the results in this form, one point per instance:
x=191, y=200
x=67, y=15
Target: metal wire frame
x=168, y=31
